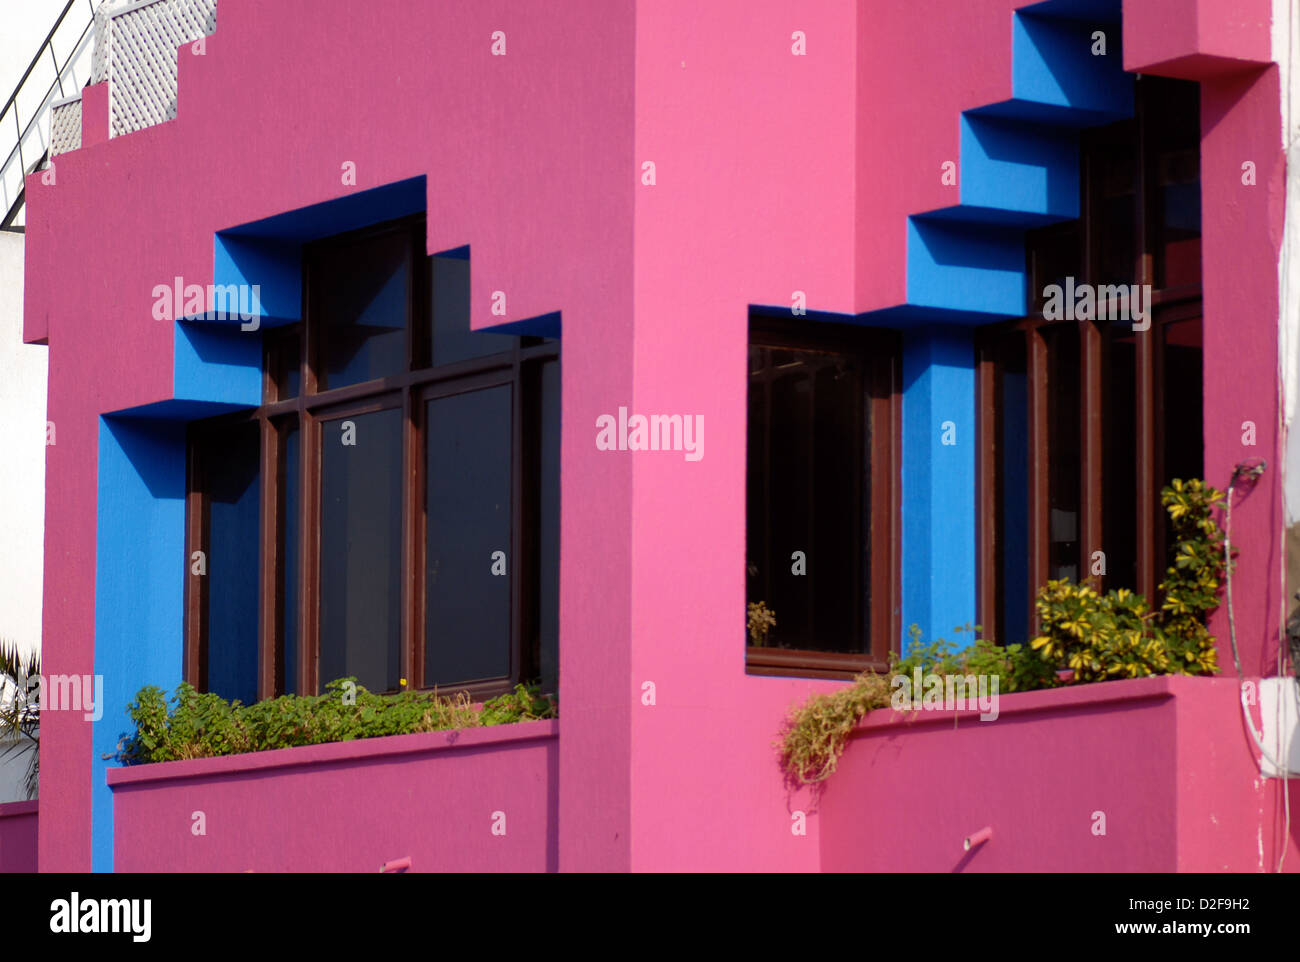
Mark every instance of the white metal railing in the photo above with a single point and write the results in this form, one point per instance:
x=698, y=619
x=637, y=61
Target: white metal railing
x=49, y=78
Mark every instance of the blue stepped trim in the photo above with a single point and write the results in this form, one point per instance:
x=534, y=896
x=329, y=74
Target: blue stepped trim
x=274, y=267
x=1019, y=167
x=965, y=268
x=1053, y=63
x=339, y=215
x=1105, y=12
x=217, y=363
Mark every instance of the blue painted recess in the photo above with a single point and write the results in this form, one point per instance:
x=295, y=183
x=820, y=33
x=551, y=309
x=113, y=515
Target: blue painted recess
x=1019, y=165
x=1053, y=64
x=1029, y=174
x=938, y=520
x=970, y=270
x=139, y=583
x=966, y=267
x=140, y=565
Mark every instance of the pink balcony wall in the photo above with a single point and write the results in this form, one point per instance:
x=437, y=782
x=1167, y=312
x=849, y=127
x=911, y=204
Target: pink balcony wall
x=1163, y=765
x=480, y=800
x=18, y=822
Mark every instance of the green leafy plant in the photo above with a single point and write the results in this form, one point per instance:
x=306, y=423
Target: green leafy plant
x=1017, y=667
x=20, y=713
x=1117, y=635
x=1098, y=637
x=203, y=725
x=815, y=733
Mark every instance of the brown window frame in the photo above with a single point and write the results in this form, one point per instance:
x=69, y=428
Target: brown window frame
x=1169, y=305
x=881, y=351
x=519, y=366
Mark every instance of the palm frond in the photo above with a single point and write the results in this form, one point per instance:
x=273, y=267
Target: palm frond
x=20, y=712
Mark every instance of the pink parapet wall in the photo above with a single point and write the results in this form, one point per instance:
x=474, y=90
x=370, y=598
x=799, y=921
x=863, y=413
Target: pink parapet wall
x=18, y=822
x=1147, y=775
x=479, y=800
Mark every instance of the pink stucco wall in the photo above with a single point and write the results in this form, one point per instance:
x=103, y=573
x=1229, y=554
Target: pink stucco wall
x=18, y=836
x=774, y=173
x=1163, y=765
x=528, y=160
x=483, y=799
x=1241, y=237
x=1195, y=39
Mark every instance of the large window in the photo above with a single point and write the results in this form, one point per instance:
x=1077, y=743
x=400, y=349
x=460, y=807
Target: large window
x=1083, y=420
x=391, y=510
x=821, y=496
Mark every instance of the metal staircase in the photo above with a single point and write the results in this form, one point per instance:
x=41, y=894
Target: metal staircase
x=50, y=78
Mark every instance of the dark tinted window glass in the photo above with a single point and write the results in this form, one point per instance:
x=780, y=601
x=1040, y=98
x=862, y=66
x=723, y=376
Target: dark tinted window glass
x=283, y=363
x=1013, y=463
x=467, y=583
x=1054, y=256
x=290, y=573
x=230, y=461
x=360, y=549
x=1178, y=183
x=1115, y=185
x=549, y=528
x=1182, y=411
x=291, y=369
x=1064, y=449
x=1119, y=456
x=806, y=442
x=360, y=292
x=452, y=338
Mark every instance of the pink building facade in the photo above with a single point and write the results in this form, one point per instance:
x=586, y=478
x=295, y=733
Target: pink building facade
x=636, y=184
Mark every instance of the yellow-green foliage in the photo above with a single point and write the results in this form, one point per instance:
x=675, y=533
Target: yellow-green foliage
x=761, y=620
x=1100, y=637
x=815, y=733
x=1116, y=635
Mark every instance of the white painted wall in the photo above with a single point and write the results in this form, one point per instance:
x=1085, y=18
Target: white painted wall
x=22, y=479
x=22, y=458
x=24, y=25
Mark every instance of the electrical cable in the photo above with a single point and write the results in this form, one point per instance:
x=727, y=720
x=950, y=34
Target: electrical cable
x=1250, y=471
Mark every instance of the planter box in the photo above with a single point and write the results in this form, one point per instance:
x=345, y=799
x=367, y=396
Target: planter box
x=443, y=799
x=1165, y=762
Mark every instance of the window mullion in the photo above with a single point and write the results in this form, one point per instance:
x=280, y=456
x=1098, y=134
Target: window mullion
x=1039, y=498
x=1147, y=535
x=308, y=635
x=410, y=560
x=269, y=491
x=1090, y=431
x=518, y=627
x=988, y=517
x=195, y=585
x=1091, y=407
